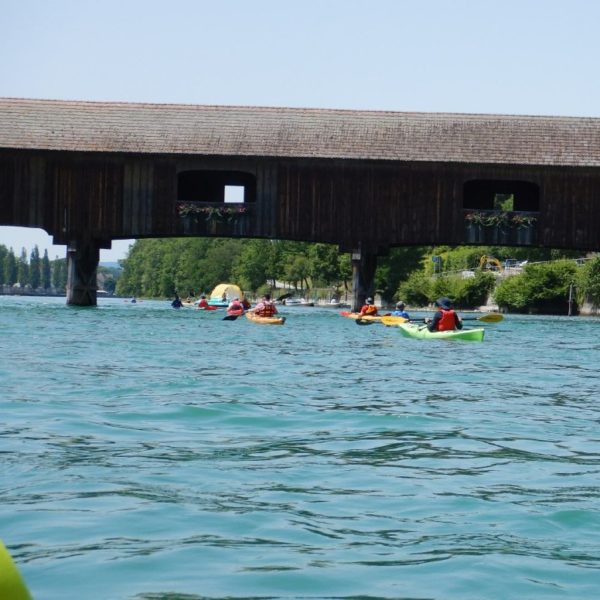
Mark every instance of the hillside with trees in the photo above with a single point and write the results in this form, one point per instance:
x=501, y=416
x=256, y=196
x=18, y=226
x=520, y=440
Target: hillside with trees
x=546, y=281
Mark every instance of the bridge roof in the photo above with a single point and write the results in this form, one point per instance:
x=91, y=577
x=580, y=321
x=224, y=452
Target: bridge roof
x=297, y=133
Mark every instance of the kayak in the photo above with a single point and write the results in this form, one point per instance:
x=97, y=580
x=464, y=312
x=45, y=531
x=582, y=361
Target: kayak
x=421, y=332
x=265, y=320
x=236, y=312
x=11, y=583
x=351, y=315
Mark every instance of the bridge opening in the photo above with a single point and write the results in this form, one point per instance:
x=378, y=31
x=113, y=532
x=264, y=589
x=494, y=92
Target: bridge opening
x=216, y=186
x=486, y=194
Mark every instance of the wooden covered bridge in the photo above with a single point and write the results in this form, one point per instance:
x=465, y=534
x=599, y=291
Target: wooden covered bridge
x=92, y=172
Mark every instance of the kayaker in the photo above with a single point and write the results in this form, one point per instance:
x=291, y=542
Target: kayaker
x=369, y=308
x=235, y=307
x=265, y=308
x=400, y=312
x=177, y=303
x=446, y=318
x=203, y=304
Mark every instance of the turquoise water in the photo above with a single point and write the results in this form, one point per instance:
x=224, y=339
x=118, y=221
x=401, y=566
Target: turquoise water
x=148, y=453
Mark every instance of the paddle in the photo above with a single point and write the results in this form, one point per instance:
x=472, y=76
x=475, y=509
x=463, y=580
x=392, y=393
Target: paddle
x=489, y=318
x=392, y=320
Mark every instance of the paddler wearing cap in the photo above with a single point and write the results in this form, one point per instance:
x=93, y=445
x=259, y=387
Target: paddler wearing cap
x=446, y=318
x=368, y=309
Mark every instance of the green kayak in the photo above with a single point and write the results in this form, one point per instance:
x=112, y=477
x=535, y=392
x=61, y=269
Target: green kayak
x=422, y=333
x=11, y=583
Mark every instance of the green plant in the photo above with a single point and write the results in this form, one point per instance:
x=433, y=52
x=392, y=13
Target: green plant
x=211, y=213
x=476, y=218
x=522, y=221
x=497, y=219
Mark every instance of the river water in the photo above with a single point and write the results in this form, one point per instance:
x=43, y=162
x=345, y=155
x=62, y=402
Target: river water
x=148, y=453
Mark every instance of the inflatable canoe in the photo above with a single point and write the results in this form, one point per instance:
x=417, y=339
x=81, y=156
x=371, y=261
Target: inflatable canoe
x=265, y=320
x=421, y=332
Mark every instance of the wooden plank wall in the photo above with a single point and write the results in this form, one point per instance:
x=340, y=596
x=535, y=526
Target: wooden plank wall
x=378, y=205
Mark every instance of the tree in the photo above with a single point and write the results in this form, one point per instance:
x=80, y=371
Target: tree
x=3, y=254
x=10, y=268
x=46, y=271
x=396, y=267
x=252, y=268
x=541, y=288
x=23, y=268
x=324, y=264
x=297, y=271
x=588, y=282
x=59, y=273
x=35, y=268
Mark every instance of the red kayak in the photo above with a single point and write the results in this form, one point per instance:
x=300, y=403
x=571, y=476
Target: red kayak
x=235, y=312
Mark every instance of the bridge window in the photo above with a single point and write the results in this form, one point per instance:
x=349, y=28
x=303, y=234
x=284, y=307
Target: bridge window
x=216, y=186
x=484, y=194
x=234, y=193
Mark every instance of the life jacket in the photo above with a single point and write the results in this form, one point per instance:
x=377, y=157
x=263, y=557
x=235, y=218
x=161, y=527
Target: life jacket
x=368, y=309
x=266, y=310
x=235, y=308
x=203, y=303
x=448, y=320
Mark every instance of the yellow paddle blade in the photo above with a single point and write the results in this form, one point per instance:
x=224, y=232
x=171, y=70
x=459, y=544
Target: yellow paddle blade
x=491, y=318
x=392, y=321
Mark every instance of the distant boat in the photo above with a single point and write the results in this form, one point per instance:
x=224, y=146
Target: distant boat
x=297, y=302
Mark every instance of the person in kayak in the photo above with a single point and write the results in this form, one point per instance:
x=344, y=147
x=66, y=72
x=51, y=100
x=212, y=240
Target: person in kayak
x=265, y=308
x=203, y=303
x=400, y=312
x=235, y=307
x=177, y=303
x=446, y=318
x=368, y=309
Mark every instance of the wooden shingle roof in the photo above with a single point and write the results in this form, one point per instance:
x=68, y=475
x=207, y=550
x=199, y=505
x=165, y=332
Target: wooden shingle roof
x=295, y=132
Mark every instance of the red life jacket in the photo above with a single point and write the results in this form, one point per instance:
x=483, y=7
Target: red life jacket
x=266, y=310
x=448, y=320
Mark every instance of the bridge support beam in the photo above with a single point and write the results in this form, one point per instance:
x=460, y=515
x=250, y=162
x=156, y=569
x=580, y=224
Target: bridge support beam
x=364, y=263
x=83, y=257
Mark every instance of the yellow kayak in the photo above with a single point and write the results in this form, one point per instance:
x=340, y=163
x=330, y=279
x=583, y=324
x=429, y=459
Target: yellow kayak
x=389, y=320
x=355, y=316
x=265, y=320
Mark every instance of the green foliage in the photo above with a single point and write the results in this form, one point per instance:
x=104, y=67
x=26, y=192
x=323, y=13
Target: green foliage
x=10, y=268
x=59, y=273
x=23, y=268
x=588, y=282
x=46, y=271
x=325, y=268
x=35, y=265
x=416, y=290
x=161, y=267
x=396, y=267
x=252, y=269
x=469, y=292
x=541, y=288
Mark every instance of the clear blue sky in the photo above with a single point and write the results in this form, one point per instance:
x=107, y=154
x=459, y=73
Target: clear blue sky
x=533, y=57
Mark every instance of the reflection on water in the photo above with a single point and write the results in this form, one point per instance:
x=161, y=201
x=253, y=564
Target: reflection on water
x=155, y=454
